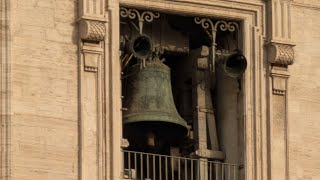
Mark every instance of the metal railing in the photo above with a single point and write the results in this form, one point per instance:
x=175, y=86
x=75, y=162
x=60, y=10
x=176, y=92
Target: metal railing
x=147, y=166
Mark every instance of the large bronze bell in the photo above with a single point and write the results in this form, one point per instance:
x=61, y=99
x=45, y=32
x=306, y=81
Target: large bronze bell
x=152, y=120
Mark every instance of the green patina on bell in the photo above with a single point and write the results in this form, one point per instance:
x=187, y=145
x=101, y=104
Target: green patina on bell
x=151, y=106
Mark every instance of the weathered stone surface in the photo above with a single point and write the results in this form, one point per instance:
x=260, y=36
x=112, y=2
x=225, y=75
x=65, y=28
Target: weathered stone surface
x=304, y=95
x=44, y=90
x=40, y=87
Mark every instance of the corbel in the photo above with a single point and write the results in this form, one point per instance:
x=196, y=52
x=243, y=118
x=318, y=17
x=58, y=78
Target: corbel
x=92, y=34
x=92, y=30
x=280, y=56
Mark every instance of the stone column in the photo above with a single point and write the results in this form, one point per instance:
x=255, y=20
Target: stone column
x=280, y=56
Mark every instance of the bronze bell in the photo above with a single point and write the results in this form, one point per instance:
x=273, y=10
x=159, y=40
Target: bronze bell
x=152, y=120
x=234, y=65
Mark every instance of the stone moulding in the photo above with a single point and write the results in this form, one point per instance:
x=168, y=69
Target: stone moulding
x=252, y=33
x=253, y=17
x=5, y=96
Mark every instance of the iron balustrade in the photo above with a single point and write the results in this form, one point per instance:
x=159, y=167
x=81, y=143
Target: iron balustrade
x=147, y=166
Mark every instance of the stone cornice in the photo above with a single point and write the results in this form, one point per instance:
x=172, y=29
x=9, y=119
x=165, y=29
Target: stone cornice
x=306, y=5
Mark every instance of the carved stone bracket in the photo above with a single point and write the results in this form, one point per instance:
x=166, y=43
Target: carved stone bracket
x=281, y=54
x=92, y=30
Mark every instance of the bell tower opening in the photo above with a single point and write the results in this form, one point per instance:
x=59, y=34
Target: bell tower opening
x=181, y=87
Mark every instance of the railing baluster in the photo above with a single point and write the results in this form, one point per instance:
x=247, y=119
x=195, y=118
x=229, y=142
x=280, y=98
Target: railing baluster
x=166, y=168
x=141, y=165
x=123, y=164
x=198, y=169
x=229, y=172
x=129, y=163
x=148, y=166
x=160, y=169
x=172, y=168
x=216, y=170
x=135, y=164
x=185, y=169
x=210, y=170
x=192, y=169
x=154, y=168
x=235, y=172
x=222, y=171
x=179, y=169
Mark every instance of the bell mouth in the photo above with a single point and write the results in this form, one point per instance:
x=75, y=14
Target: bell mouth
x=165, y=135
x=235, y=65
x=141, y=46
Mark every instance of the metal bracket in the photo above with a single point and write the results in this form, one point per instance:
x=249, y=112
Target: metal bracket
x=208, y=25
x=147, y=16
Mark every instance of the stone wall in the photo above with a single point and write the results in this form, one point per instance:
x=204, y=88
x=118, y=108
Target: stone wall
x=44, y=89
x=304, y=93
x=44, y=86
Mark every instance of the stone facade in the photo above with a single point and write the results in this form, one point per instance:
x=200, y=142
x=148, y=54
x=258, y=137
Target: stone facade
x=60, y=72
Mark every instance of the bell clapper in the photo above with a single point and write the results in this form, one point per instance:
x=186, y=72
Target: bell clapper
x=151, y=139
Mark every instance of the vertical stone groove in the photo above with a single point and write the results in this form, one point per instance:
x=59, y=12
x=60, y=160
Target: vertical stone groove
x=5, y=156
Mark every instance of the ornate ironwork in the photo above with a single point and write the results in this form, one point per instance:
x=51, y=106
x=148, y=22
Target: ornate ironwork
x=230, y=26
x=208, y=25
x=147, y=16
